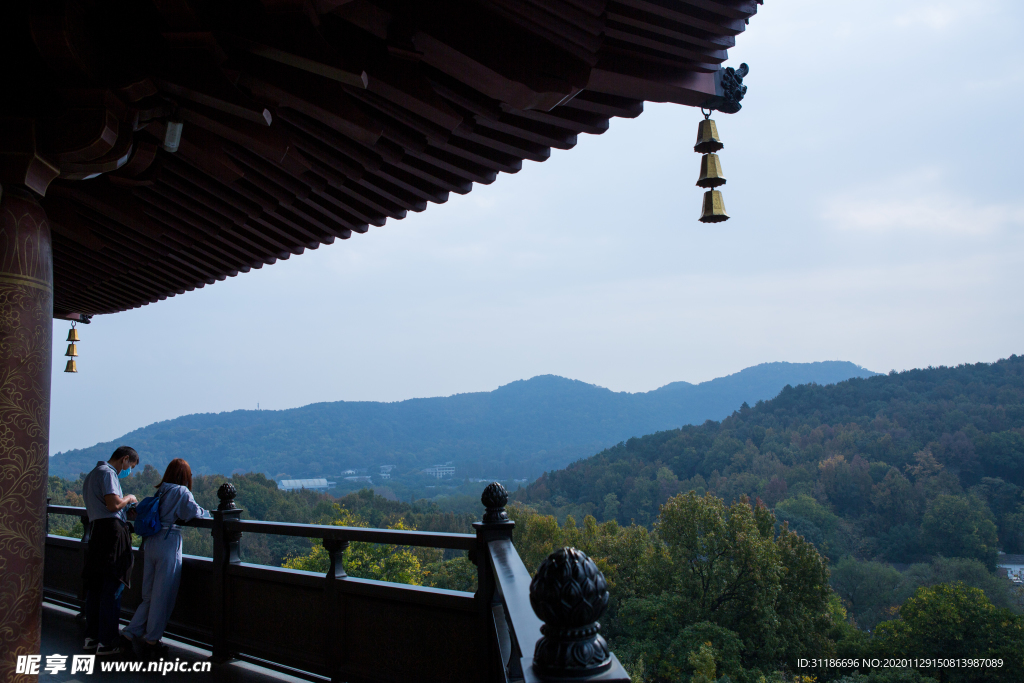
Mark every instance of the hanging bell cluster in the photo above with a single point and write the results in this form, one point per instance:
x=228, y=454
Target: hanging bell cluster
x=72, y=349
x=711, y=175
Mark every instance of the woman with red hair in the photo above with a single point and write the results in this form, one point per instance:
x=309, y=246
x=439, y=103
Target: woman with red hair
x=162, y=560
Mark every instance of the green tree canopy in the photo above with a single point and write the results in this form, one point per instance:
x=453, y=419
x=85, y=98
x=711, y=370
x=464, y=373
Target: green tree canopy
x=720, y=577
x=867, y=588
x=364, y=560
x=955, y=621
x=961, y=526
x=853, y=467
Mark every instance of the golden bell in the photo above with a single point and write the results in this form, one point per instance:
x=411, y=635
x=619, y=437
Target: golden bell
x=73, y=335
x=710, y=171
x=71, y=366
x=707, y=138
x=72, y=351
x=714, y=208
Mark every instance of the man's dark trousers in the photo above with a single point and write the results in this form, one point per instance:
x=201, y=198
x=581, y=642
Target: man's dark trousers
x=103, y=612
x=108, y=569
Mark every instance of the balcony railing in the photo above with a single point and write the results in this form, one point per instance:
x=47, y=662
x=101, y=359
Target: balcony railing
x=340, y=628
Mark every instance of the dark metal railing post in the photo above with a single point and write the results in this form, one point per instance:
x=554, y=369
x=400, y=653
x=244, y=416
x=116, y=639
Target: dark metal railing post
x=569, y=594
x=226, y=539
x=335, y=616
x=494, y=526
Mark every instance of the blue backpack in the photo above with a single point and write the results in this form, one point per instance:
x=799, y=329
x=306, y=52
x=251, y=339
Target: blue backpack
x=147, y=516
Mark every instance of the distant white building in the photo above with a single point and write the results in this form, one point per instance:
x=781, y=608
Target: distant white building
x=310, y=484
x=441, y=471
x=385, y=471
x=1014, y=566
x=349, y=472
x=365, y=478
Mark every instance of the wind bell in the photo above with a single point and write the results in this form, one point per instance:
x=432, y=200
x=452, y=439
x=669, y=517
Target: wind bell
x=72, y=349
x=711, y=175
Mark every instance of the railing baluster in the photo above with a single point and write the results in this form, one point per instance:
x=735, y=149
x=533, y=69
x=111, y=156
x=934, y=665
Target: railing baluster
x=335, y=617
x=336, y=551
x=226, y=540
x=494, y=526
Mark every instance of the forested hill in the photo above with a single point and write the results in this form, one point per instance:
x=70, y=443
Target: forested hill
x=900, y=467
x=518, y=430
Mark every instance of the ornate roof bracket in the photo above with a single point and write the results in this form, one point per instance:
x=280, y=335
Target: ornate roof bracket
x=729, y=90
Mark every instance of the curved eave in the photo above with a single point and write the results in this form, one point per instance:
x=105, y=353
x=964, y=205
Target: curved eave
x=398, y=109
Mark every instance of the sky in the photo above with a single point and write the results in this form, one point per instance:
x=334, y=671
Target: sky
x=874, y=188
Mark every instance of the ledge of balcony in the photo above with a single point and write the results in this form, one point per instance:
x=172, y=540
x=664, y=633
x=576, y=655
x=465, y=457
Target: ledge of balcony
x=62, y=634
x=313, y=626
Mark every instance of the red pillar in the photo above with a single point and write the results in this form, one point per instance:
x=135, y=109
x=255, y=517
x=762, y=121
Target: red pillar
x=26, y=325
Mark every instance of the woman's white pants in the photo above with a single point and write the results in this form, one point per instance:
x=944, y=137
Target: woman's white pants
x=160, y=579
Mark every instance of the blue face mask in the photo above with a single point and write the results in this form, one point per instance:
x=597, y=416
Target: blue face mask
x=123, y=474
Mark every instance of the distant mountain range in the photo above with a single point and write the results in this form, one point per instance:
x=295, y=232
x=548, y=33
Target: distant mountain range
x=521, y=429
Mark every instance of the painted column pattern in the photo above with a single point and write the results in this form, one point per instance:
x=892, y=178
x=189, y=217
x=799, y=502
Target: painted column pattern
x=26, y=313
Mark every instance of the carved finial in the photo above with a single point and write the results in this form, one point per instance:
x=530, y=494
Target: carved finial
x=227, y=494
x=569, y=594
x=494, y=498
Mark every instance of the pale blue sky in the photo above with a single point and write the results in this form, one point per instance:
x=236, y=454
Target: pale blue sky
x=874, y=184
